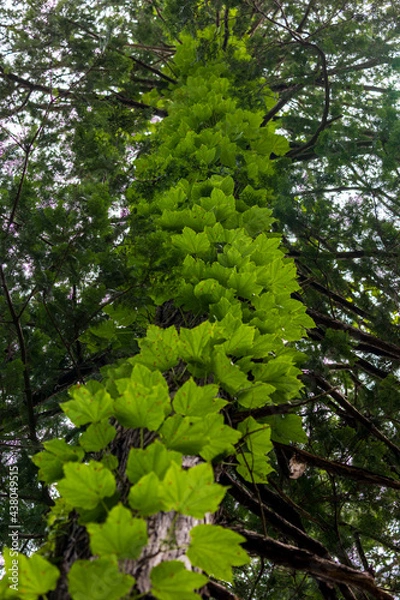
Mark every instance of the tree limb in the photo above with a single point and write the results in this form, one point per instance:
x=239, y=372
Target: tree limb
x=303, y=560
x=342, y=470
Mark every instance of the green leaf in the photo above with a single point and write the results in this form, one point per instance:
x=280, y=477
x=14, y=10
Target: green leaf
x=256, y=395
x=109, y=461
x=280, y=145
x=209, y=291
x=245, y=283
x=36, y=576
x=86, y=485
x=172, y=581
x=231, y=378
x=192, y=492
x=256, y=220
x=146, y=496
x=159, y=349
x=154, y=459
x=220, y=437
x=143, y=403
x=51, y=460
x=281, y=374
x=279, y=276
x=205, y=155
x=98, y=579
x=97, y=436
x=239, y=336
x=254, y=468
x=286, y=429
x=216, y=550
x=185, y=434
x=191, y=242
x=197, y=401
x=195, y=343
x=105, y=330
x=88, y=406
x=121, y=534
x=257, y=436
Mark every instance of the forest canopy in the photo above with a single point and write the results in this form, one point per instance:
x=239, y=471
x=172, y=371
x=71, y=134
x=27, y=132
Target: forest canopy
x=199, y=390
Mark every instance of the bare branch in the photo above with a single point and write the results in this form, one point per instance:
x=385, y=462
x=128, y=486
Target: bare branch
x=303, y=560
x=342, y=470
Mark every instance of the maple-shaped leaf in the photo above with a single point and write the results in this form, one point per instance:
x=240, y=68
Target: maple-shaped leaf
x=97, y=436
x=121, y=534
x=153, y=459
x=146, y=496
x=90, y=404
x=172, y=581
x=197, y=401
x=192, y=492
x=86, y=485
x=98, y=579
x=36, y=576
x=216, y=550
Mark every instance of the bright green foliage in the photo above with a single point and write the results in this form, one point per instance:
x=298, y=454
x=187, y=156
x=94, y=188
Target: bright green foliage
x=36, y=576
x=154, y=459
x=121, y=534
x=145, y=497
x=170, y=581
x=215, y=550
x=51, y=460
x=97, y=436
x=197, y=401
x=99, y=579
x=85, y=485
x=90, y=404
x=214, y=257
x=100, y=225
x=192, y=492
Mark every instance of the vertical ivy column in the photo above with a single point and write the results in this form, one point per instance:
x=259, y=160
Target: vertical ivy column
x=140, y=484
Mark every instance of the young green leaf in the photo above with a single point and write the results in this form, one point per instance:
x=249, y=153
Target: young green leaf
x=36, y=576
x=121, y=534
x=197, y=401
x=98, y=579
x=256, y=395
x=97, y=436
x=86, y=485
x=140, y=406
x=87, y=407
x=257, y=436
x=159, y=349
x=153, y=459
x=221, y=438
x=195, y=343
x=51, y=460
x=192, y=492
x=231, y=378
x=254, y=468
x=191, y=242
x=172, y=581
x=216, y=550
x=184, y=434
x=286, y=429
x=146, y=496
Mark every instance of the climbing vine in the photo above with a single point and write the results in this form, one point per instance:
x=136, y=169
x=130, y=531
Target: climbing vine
x=202, y=243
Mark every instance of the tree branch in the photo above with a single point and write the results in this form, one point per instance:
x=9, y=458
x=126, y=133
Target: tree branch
x=352, y=411
x=340, y=469
x=303, y=560
x=24, y=359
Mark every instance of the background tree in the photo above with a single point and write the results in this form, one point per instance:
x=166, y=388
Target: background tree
x=72, y=97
